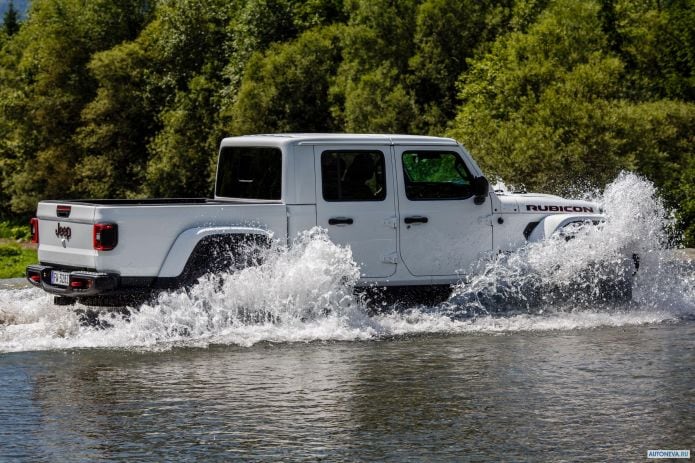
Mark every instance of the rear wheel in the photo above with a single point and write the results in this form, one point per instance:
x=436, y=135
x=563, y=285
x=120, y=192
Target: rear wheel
x=226, y=253
x=101, y=317
x=64, y=300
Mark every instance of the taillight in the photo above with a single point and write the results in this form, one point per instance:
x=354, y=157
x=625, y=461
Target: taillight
x=105, y=236
x=34, y=225
x=81, y=283
x=34, y=276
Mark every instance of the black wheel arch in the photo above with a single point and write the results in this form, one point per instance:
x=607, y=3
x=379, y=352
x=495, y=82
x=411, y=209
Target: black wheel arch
x=224, y=252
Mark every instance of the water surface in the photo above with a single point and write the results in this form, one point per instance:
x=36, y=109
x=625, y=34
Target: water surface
x=595, y=395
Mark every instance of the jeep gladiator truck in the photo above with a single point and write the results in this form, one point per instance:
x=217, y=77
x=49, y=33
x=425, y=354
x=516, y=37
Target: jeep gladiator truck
x=415, y=210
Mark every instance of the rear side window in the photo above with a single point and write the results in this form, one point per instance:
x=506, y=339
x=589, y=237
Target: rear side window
x=353, y=176
x=435, y=175
x=249, y=173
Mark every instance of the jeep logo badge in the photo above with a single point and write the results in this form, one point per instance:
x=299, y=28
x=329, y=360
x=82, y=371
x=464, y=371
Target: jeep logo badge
x=63, y=232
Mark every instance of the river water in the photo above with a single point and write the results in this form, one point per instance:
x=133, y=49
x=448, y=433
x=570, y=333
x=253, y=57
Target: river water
x=530, y=359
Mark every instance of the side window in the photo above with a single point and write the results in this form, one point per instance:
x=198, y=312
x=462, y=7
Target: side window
x=250, y=173
x=353, y=175
x=435, y=175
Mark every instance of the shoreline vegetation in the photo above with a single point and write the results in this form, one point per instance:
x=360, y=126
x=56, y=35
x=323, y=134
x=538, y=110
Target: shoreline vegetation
x=16, y=252
x=14, y=258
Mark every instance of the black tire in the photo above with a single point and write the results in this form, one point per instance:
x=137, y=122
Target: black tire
x=223, y=253
x=64, y=300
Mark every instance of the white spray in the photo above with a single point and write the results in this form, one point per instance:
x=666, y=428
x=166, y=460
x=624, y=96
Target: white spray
x=305, y=292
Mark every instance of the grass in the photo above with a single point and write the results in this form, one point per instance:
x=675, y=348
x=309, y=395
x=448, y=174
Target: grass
x=15, y=251
x=14, y=257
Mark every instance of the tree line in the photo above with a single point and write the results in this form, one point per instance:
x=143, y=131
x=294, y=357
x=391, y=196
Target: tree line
x=131, y=98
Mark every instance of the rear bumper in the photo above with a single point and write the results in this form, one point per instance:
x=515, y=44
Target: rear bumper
x=81, y=282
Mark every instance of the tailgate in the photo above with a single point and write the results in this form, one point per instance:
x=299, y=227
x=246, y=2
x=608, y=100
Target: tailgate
x=66, y=234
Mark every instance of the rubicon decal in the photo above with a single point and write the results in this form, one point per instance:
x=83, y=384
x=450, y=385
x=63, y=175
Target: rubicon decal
x=553, y=208
x=63, y=232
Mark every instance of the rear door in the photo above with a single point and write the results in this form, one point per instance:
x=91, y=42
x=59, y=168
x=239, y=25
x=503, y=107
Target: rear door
x=442, y=230
x=356, y=203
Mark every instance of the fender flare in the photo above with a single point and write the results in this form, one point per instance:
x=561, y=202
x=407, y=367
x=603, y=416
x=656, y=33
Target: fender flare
x=552, y=223
x=185, y=243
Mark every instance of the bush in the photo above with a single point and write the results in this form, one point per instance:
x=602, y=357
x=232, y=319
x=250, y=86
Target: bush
x=14, y=231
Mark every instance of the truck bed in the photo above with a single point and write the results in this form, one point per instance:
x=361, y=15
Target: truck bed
x=147, y=234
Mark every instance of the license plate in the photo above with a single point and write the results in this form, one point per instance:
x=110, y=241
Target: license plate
x=60, y=278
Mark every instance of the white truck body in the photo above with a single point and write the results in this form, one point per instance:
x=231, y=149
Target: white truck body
x=411, y=208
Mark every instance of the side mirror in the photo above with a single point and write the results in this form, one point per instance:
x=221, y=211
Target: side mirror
x=481, y=188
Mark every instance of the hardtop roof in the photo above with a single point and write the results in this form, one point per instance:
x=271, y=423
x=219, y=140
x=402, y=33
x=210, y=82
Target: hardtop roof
x=334, y=138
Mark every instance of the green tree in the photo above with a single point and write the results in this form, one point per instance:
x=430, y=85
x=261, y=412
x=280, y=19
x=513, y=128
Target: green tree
x=408, y=56
x=448, y=34
x=48, y=86
x=370, y=92
x=183, y=151
x=286, y=88
x=535, y=99
x=656, y=40
x=261, y=23
x=131, y=98
x=116, y=124
x=10, y=22
x=555, y=105
x=155, y=108
x=660, y=134
x=197, y=42
x=684, y=198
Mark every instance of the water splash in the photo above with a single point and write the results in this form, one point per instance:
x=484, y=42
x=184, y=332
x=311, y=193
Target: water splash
x=588, y=265
x=305, y=293
x=286, y=298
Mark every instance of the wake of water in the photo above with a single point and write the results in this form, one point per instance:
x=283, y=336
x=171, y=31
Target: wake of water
x=591, y=263
x=305, y=292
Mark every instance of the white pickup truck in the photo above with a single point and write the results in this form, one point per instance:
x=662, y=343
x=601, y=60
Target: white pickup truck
x=415, y=210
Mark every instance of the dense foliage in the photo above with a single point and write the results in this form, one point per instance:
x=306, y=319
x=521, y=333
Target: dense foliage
x=131, y=98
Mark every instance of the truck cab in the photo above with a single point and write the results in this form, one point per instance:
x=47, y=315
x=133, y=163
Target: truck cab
x=407, y=206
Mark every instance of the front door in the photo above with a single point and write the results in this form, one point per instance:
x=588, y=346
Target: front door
x=442, y=230
x=356, y=203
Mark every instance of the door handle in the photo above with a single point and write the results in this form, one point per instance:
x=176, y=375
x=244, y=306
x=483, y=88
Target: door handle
x=415, y=219
x=340, y=221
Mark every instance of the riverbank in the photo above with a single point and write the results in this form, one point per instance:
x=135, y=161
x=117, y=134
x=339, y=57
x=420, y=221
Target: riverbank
x=15, y=255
